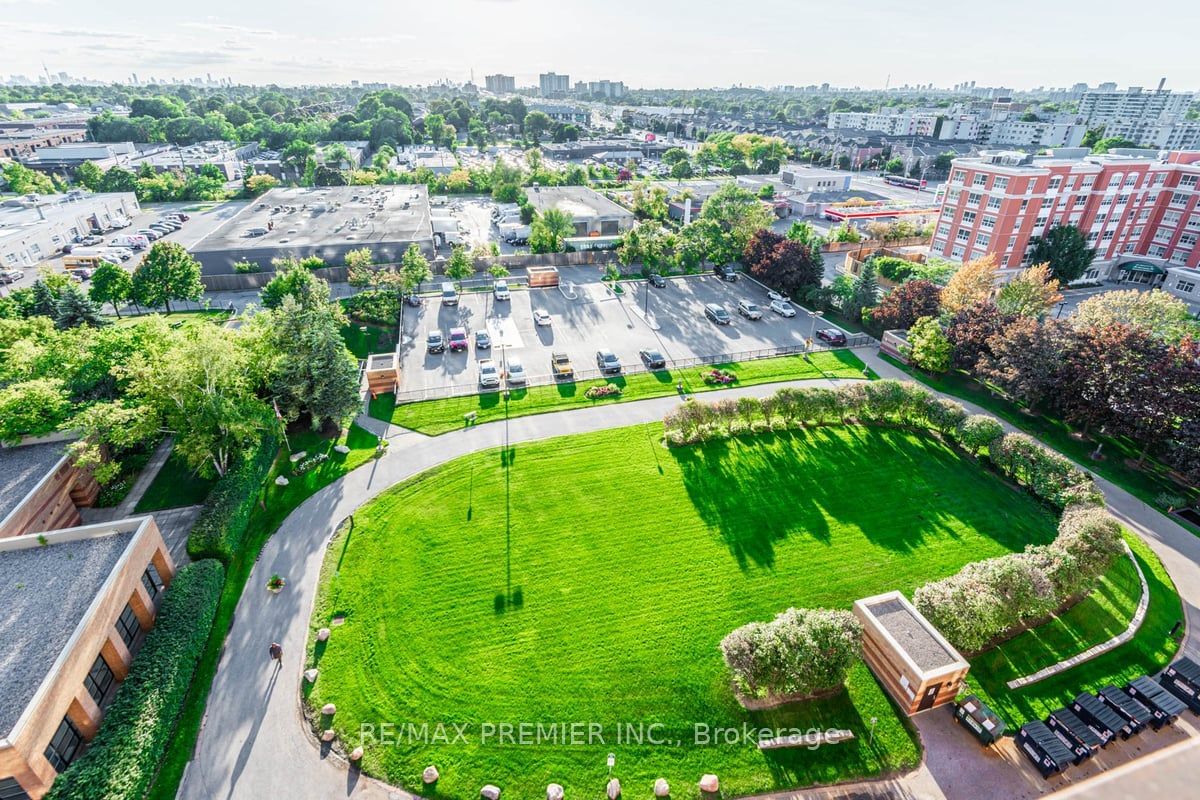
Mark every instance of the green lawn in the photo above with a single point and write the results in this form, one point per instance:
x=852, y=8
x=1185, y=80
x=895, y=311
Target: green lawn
x=176, y=319
x=280, y=501
x=591, y=578
x=439, y=416
x=374, y=339
x=175, y=485
x=1098, y=618
x=1145, y=484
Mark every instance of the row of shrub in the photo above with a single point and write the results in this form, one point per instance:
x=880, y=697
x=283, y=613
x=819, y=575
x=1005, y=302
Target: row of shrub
x=989, y=601
x=803, y=652
x=377, y=306
x=122, y=760
x=221, y=527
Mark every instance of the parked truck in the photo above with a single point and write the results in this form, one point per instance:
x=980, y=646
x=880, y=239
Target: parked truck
x=514, y=233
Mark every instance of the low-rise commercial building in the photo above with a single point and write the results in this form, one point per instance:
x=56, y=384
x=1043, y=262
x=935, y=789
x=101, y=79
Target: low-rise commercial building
x=33, y=228
x=19, y=143
x=592, y=213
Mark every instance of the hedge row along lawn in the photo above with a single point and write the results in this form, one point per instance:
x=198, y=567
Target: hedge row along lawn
x=1145, y=484
x=439, y=416
x=280, y=501
x=1096, y=619
x=591, y=578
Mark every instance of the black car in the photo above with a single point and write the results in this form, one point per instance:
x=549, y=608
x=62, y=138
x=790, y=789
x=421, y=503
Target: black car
x=652, y=359
x=657, y=280
x=831, y=335
x=726, y=273
x=413, y=300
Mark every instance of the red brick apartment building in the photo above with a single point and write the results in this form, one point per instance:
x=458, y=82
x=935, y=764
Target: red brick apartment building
x=1141, y=213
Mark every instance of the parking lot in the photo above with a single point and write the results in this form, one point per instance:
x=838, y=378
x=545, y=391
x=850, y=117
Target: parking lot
x=670, y=320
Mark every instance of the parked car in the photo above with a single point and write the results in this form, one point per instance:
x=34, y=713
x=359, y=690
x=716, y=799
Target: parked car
x=515, y=371
x=608, y=362
x=541, y=317
x=717, y=314
x=449, y=295
x=11, y=275
x=560, y=364
x=434, y=342
x=831, y=335
x=774, y=295
x=749, y=310
x=726, y=273
x=458, y=340
x=657, y=280
x=500, y=290
x=483, y=340
x=489, y=375
x=170, y=223
x=783, y=308
x=652, y=359
x=413, y=299
x=149, y=234
x=91, y=241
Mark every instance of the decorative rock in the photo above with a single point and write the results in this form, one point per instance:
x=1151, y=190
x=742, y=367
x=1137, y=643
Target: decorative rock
x=323, y=635
x=310, y=675
x=356, y=754
x=329, y=709
x=328, y=735
x=341, y=448
x=554, y=792
x=297, y=456
x=662, y=788
x=490, y=792
x=431, y=775
x=281, y=481
x=614, y=789
x=710, y=784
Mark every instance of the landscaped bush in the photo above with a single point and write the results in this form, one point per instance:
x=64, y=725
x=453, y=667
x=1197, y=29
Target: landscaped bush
x=801, y=653
x=978, y=431
x=124, y=756
x=377, y=306
x=1088, y=542
x=605, y=390
x=1046, y=474
x=221, y=526
x=719, y=377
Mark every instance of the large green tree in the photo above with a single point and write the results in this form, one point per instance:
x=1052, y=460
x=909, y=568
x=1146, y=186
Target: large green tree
x=74, y=308
x=298, y=283
x=167, y=272
x=1065, y=249
x=549, y=230
x=738, y=214
x=111, y=284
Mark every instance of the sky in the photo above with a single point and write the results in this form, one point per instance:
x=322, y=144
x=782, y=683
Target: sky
x=669, y=43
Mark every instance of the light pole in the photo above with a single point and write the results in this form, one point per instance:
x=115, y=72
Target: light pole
x=812, y=331
x=871, y=739
x=1061, y=306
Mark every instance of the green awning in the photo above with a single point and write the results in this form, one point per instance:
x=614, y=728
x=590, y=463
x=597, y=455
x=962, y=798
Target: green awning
x=1143, y=266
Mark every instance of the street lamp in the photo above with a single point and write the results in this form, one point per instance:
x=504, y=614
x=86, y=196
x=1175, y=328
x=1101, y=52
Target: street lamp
x=1061, y=306
x=812, y=331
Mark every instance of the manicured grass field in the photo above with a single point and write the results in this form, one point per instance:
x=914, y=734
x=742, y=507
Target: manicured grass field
x=439, y=416
x=1096, y=619
x=362, y=343
x=177, y=319
x=591, y=578
x=175, y=485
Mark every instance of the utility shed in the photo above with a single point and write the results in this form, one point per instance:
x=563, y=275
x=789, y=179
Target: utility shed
x=914, y=662
x=383, y=373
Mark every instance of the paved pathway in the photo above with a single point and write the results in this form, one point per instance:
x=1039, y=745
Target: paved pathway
x=254, y=742
x=146, y=477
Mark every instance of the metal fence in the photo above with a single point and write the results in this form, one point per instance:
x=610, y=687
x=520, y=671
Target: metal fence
x=582, y=375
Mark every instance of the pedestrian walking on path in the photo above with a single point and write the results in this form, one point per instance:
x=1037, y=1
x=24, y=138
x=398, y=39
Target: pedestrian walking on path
x=276, y=651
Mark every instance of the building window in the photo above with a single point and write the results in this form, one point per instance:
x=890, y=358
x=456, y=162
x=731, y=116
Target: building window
x=988, y=223
x=982, y=240
x=1187, y=182
x=957, y=253
x=943, y=230
x=1187, y=287
x=11, y=790
x=1000, y=183
x=1088, y=181
x=152, y=581
x=993, y=204
x=1179, y=199
x=958, y=177
x=99, y=680
x=64, y=745
x=973, y=198
x=1055, y=182
x=128, y=626
x=980, y=180
x=968, y=217
x=1188, y=240
x=962, y=235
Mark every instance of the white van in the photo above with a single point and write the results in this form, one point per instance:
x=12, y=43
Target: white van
x=131, y=240
x=508, y=218
x=449, y=296
x=447, y=230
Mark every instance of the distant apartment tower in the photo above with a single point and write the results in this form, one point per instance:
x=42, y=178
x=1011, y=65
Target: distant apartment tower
x=1142, y=214
x=553, y=85
x=500, y=84
x=1152, y=119
x=607, y=89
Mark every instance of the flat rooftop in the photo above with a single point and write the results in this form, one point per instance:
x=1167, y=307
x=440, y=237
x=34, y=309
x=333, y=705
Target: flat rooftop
x=911, y=633
x=45, y=592
x=20, y=470
x=577, y=202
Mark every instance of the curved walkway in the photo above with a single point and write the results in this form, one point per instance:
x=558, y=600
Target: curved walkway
x=253, y=743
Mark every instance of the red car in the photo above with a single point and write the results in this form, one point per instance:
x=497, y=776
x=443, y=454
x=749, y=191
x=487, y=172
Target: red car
x=831, y=335
x=458, y=340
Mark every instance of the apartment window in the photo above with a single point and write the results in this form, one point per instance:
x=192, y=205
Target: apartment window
x=973, y=199
x=1107, y=201
x=152, y=581
x=980, y=180
x=968, y=217
x=64, y=745
x=1138, y=230
x=1188, y=182
x=11, y=790
x=1115, y=180
x=1024, y=204
x=1187, y=287
x=982, y=240
x=1108, y=235
x=1012, y=243
x=993, y=204
x=1172, y=218
x=953, y=195
x=1193, y=223
x=943, y=230
x=99, y=680
x=988, y=223
x=962, y=235
x=958, y=177
x=1158, y=251
x=1041, y=222
x=1122, y=198
x=1088, y=181
x=1132, y=180
x=1000, y=183
x=957, y=252
x=1144, y=214
x=1188, y=240
x=1179, y=199
x=1055, y=182
x=128, y=626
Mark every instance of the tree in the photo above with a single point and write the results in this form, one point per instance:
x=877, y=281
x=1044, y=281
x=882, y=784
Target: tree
x=167, y=272
x=907, y=303
x=498, y=271
x=971, y=329
x=1111, y=142
x=1157, y=386
x=89, y=175
x=928, y=346
x=74, y=308
x=789, y=266
x=1025, y=360
x=893, y=166
x=1065, y=249
x=358, y=267
x=802, y=652
x=806, y=234
x=1155, y=312
x=117, y=179
x=23, y=180
x=414, y=269
x=971, y=285
x=255, y=185
x=864, y=294
x=459, y=266
x=111, y=284
x=536, y=124
x=296, y=155
x=296, y=282
x=1031, y=293
x=738, y=214
x=32, y=408
x=548, y=231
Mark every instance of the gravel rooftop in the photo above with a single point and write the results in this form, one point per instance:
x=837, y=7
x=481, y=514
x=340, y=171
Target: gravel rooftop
x=21, y=468
x=906, y=629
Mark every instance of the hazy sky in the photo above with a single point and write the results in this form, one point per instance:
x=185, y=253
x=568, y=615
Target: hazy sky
x=1019, y=43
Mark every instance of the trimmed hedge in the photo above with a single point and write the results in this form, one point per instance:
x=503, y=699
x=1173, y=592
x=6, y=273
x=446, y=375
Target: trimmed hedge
x=802, y=652
x=1046, y=474
x=221, y=527
x=123, y=758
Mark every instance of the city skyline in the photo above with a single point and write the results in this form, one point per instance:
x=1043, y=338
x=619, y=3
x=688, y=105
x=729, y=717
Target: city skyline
x=772, y=44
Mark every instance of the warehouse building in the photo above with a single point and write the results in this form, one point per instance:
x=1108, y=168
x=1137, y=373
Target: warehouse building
x=33, y=227
x=592, y=213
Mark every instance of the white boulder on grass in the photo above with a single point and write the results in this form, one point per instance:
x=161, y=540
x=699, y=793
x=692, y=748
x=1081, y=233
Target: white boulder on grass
x=430, y=774
x=329, y=709
x=328, y=735
x=554, y=792
x=323, y=635
x=710, y=784
x=356, y=754
x=614, y=789
x=281, y=481
x=310, y=675
x=490, y=792
x=297, y=456
x=341, y=448
x=662, y=788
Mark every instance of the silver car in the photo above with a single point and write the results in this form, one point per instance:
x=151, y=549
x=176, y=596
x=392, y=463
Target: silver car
x=515, y=371
x=783, y=308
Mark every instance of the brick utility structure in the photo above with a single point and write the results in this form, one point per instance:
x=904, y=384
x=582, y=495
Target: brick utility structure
x=1140, y=210
x=917, y=666
x=40, y=490
x=77, y=604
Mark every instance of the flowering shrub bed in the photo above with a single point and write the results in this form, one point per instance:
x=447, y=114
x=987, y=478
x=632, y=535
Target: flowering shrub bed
x=719, y=377
x=310, y=462
x=604, y=390
x=802, y=652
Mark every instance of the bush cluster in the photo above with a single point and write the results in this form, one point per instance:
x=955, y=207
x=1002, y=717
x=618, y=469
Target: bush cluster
x=802, y=652
x=603, y=390
x=221, y=527
x=123, y=758
x=1046, y=474
x=378, y=306
x=719, y=377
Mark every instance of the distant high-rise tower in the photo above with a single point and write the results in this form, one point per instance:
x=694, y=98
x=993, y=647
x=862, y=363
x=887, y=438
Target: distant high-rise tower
x=499, y=84
x=553, y=85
